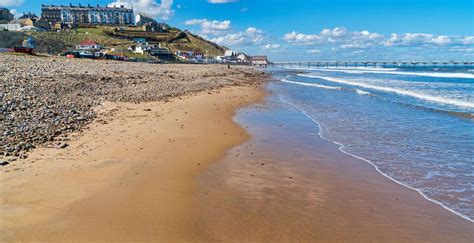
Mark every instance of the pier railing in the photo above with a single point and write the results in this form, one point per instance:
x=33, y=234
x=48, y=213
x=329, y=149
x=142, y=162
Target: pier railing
x=374, y=64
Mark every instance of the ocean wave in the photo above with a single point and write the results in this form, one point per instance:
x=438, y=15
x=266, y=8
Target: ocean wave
x=363, y=92
x=424, y=74
x=421, y=96
x=358, y=91
x=461, y=114
x=310, y=84
x=342, y=148
x=344, y=68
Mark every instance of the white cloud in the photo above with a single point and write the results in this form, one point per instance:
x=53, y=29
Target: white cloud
x=295, y=37
x=422, y=39
x=15, y=13
x=210, y=27
x=337, y=35
x=353, y=46
x=221, y=1
x=313, y=51
x=9, y=3
x=271, y=46
x=468, y=40
x=342, y=38
x=150, y=7
x=251, y=36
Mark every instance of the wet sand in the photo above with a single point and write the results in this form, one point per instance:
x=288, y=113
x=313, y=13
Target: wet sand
x=286, y=184
x=130, y=177
x=184, y=171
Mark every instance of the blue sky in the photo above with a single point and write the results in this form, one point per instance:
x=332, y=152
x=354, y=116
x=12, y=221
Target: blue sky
x=318, y=29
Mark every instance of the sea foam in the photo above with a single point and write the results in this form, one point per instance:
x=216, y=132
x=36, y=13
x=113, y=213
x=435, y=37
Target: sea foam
x=388, y=71
x=342, y=148
x=417, y=95
x=312, y=85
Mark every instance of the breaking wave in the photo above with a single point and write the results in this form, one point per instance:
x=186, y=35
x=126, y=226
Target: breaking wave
x=421, y=96
x=392, y=71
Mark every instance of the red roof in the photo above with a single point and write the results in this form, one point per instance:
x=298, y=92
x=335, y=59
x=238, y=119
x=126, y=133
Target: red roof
x=259, y=58
x=88, y=43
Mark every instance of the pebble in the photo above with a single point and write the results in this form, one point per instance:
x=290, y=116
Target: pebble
x=47, y=98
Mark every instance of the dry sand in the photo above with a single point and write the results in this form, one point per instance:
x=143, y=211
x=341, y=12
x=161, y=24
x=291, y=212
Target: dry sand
x=130, y=177
x=147, y=172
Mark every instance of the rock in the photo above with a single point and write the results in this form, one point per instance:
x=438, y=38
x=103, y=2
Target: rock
x=47, y=98
x=62, y=145
x=3, y=163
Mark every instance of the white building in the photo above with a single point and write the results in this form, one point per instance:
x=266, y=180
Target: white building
x=87, y=14
x=10, y=27
x=234, y=56
x=141, y=49
x=88, y=45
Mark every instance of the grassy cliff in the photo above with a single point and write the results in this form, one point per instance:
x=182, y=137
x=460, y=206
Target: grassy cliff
x=186, y=41
x=73, y=37
x=174, y=39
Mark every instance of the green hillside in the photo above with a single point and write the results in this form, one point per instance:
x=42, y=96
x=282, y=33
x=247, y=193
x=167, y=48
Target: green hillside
x=73, y=37
x=185, y=41
x=174, y=39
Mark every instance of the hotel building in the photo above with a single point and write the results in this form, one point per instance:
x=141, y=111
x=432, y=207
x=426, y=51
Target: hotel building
x=87, y=14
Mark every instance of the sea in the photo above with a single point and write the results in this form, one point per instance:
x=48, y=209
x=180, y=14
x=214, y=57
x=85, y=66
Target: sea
x=415, y=125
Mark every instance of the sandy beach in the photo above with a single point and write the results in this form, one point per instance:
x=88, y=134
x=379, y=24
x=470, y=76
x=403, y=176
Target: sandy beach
x=130, y=179
x=140, y=158
x=206, y=157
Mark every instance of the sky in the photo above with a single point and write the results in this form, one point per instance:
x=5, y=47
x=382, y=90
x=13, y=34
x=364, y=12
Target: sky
x=318, y=30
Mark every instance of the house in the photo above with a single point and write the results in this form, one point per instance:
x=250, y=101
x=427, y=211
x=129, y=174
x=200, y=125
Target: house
x=142, y=19
x=234, y=57
x=28, y=19
x=229, y=53
x=10, y=27
x=88, y=45
x=230, y=56
x=31, y=28
x=42, y=23
x=155, y=27
x=192, y=56
x=139, y=40
x=241, y=57
x=162, y=53
x=94, y=15
x=141, y=49
x=29, y=15
x=261, y=61
x=149, y=24
x=184, y=55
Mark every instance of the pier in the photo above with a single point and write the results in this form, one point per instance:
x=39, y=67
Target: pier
x=322, y=64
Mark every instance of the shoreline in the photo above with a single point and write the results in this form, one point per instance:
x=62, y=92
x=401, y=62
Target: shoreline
x=341, y=149
x=222, y=160
x=291, y=184
x=70, y=194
